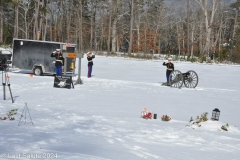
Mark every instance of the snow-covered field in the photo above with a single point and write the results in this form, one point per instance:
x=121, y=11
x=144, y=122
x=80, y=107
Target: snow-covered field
x=100, y=119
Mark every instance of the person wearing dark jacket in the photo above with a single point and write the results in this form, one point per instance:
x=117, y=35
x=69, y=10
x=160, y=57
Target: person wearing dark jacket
x=3, y=64
x=90, y=63
x=59, y=62
x=170, y=68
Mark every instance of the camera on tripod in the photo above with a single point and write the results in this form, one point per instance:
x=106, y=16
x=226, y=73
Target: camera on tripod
x=5, y=59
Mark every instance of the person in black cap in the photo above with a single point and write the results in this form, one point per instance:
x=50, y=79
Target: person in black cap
x=59, y=61
x=170, y=68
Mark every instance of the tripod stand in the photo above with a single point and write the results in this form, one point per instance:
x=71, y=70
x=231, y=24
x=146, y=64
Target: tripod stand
x=6, y=82
x=25, y=116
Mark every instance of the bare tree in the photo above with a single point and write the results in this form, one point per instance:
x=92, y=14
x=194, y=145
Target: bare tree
x=92, y=20
x=109, y=26
x=115, y=17
x=25, y=6
x=35, y=27
x=188, y=26
x=208, y=20
x=16, y=6
x=131, y=27
x=1, y=21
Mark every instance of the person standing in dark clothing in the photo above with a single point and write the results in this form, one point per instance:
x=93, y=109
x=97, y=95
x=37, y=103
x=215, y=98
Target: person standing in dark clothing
x=211, y=56
x=59, y=61
x=90, y=63
x=170, y=68
x=3, y=64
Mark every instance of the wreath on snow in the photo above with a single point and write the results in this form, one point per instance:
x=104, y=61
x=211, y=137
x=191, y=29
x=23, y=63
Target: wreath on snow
x=10, y=115
x=166, y=118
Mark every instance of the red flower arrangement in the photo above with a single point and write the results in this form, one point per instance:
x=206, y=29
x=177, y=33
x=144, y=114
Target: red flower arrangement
x=166, y=118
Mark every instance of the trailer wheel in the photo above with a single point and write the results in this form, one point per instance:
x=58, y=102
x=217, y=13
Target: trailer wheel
x=38, y=71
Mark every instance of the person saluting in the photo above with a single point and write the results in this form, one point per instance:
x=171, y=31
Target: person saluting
x=170, y=68
x=59, y=62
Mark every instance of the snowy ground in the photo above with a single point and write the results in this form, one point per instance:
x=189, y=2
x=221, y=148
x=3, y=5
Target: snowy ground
x=101, y=119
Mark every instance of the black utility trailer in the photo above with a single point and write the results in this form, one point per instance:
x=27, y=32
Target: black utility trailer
x=177, y=79
x=35, y=55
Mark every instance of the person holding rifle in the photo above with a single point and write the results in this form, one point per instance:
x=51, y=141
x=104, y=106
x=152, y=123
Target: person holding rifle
x=90, y=63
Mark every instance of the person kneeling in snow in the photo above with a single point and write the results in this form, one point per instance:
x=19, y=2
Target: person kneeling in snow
x=170, y=68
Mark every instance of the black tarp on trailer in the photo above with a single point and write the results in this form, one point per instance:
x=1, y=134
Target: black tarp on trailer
x=27, y=53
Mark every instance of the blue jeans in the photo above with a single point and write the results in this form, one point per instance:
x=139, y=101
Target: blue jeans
x=59, y=70
x=89, y=71
x=168, y=77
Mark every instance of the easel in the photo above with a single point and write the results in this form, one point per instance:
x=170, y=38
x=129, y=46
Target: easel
x=24, y=114
x=5, y=81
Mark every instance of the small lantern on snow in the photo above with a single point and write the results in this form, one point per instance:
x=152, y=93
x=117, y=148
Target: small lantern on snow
x=215, y=114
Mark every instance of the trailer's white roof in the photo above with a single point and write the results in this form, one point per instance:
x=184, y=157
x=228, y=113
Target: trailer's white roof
x=41, y=41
